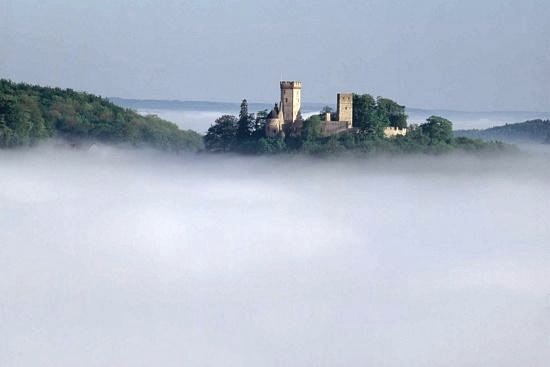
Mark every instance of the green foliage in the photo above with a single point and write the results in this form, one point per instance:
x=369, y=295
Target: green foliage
x=246, y=134
x=246, y=124
x=271, y=146
x=30, y=113
x=364, y=109
x=438, y=130
x=325, y=109
x=311, y=129
x=373, y=115
x=393, y=112
x=535, y=131
x=222, y=135
x=429, y=138
x=21, y=121
x=259, y=125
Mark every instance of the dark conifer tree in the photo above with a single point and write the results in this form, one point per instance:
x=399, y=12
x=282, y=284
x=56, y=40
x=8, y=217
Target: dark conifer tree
x=246, y=123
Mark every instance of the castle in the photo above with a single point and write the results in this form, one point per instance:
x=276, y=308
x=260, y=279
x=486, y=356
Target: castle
x=286, y=118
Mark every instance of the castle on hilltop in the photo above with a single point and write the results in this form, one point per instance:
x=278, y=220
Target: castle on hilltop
x=286, y=117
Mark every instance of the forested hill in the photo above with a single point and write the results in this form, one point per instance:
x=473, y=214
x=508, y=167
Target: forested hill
x=534, y=131
x=31, y=113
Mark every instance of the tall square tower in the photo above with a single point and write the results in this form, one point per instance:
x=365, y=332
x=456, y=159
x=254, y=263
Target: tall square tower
x=291, y=99
x=344, y=108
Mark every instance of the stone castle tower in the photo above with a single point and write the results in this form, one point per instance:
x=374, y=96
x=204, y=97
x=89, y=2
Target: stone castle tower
x=284, y=115
x=344, y=107
x=291, y=99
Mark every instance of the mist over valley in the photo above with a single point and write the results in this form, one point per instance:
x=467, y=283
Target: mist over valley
x=135, y=257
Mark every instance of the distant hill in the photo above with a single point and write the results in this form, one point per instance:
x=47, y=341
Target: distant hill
x=229, y=107
x=534, y=131
x=505, y=116
x=29, y=113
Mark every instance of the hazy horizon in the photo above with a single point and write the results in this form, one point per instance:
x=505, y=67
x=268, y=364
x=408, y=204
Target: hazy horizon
x=309, y=104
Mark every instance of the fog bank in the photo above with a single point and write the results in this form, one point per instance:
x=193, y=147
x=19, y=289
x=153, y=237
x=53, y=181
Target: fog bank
x=127, y=258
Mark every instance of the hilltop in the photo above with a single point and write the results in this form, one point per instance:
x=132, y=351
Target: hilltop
x=534, y=131
x=30, y=113
x=373, y=122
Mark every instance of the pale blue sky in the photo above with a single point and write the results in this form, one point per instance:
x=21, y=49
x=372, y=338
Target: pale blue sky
x=472, y=55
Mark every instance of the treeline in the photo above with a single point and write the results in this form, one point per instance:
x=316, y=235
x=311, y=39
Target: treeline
x=31, y=113
x=373, y=115
x=246, y=133
x=534, y=131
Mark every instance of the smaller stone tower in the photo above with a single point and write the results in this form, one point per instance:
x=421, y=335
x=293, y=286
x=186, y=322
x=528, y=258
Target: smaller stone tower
x=274, y=122
x=345, y=108
x=291, y=99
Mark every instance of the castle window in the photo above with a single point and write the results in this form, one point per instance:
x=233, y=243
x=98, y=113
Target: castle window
x=286, y=100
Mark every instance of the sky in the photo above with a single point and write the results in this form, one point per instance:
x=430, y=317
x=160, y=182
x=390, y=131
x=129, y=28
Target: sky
x=465, y=55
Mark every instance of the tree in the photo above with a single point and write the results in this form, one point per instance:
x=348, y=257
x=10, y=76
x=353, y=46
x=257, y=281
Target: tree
x=222, y=135
x=325, y=110
x=392, y=112
x=364, y=109
x=259, y=124
x=246, y=123
x=9, y=119
x=29, y=113
x=270, y=145
x=438, y=130
x=311, y=129
x=373, y=115
x=299, y=116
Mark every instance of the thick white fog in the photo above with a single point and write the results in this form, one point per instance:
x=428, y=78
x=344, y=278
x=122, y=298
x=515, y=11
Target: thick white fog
x=132, y=258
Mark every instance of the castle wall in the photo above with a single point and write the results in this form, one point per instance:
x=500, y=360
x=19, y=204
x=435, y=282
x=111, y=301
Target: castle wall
x=344, y=108
x=291, y=100
x=333, y=127
x=391, y=132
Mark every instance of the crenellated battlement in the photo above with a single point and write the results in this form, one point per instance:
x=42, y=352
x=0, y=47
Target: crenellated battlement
x=291, y=95
x=291, y=85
